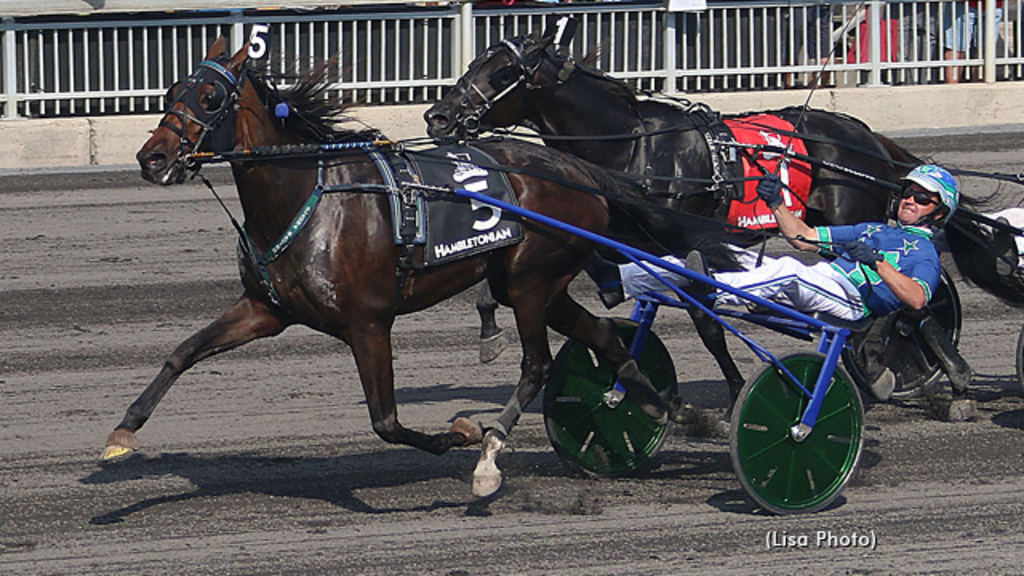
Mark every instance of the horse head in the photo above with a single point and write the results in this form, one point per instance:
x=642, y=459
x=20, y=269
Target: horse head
x=493, y=91
x=201, y=115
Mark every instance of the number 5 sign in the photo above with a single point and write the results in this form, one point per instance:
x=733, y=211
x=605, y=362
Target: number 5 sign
x=259, y=41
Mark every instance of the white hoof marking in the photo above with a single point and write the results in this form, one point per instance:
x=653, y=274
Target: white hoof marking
x=487, y=476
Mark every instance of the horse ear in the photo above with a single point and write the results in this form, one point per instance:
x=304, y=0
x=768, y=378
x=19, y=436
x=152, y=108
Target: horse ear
x=218, y=48
x=236, y=62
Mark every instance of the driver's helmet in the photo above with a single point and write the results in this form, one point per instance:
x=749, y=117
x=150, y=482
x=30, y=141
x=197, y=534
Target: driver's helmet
x=936, y=179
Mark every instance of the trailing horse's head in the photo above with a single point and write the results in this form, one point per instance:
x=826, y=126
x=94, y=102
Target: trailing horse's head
x=492, y=92
x=201, y=114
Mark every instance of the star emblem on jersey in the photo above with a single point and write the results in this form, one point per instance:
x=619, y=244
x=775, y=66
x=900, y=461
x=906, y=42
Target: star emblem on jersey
x=909, y=246
x=871, y=229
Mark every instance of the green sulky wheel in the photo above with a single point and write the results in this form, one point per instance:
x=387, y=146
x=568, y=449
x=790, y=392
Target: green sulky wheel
x=586, y=433
x=782, y=475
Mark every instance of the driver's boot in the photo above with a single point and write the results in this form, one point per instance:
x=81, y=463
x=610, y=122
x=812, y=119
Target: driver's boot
x=605, y=274
x=1004, y=245
x=881, y=381
x=953, y=364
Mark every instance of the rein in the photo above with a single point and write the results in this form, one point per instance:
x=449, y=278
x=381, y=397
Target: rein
x=305, y=150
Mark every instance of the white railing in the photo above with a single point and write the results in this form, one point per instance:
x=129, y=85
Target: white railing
x=112, y=63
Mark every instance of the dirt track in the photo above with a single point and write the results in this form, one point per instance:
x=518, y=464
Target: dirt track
x=263, y=461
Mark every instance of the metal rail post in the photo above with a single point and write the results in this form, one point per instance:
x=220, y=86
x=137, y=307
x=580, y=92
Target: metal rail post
x=990, y=41
x=875, y=9
x=671, y=52
x=467, y=44
x=10, y=80
x=238, y=37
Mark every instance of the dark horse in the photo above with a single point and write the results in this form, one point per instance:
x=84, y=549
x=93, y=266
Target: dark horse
x=985, y=252
x=530, y=81
x=341, y=272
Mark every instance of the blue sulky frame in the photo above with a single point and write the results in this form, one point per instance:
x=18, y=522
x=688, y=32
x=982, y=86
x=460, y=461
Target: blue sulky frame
x=792, y=452
x=832, y=339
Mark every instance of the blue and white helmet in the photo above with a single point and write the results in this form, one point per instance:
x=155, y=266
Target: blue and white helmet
x=936, y=179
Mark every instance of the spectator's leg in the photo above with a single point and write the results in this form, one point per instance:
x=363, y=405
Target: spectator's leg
x=953, y=36
x=953, y=72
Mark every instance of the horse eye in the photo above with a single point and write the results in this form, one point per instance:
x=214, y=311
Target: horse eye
x=502, y=78
x=214, y=100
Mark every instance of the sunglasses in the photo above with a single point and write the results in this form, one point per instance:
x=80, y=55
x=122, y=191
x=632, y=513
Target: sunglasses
x=921, y=197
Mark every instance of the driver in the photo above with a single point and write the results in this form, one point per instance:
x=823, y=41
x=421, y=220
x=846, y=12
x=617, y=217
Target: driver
x=879, y=268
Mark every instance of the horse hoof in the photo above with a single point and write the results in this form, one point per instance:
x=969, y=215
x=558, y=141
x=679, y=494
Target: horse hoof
x=962, y=410
x=120, y=443
x=471, y=430
x=487, y=476
x=115, y=452
x=639, y=387
x=492, y=346
x=484, y=486
x=683, y=412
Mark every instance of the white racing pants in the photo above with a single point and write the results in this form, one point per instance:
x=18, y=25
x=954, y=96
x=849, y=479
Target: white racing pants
x=786, y=280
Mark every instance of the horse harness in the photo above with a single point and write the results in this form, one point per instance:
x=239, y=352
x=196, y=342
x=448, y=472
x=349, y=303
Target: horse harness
x=215, y=115
x=215, y=112
x=726, y=165
x=408, y=179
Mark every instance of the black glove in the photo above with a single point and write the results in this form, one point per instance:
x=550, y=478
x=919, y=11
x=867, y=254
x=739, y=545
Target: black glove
x=769, y=189
x=861, y=252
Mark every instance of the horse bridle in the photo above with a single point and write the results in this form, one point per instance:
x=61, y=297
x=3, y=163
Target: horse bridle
x=521, y=69
x=216, y=117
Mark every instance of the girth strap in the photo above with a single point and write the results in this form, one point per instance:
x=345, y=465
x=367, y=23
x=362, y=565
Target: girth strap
x=261, y=261
x=408, y=211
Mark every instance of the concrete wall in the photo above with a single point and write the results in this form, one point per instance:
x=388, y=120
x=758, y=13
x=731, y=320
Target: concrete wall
x=110, y=141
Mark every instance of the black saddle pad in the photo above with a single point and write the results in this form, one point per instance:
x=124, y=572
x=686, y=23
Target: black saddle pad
x=459, y=227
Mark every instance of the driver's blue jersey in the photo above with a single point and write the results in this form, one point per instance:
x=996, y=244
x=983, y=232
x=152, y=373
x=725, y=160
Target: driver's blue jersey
x=908, y=249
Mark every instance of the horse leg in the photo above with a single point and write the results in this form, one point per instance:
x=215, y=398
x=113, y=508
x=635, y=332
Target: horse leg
x=568, y=317
x=371, y=346
x=492, y=340
x=529, y=310
x=246, y=320
x=712, y=334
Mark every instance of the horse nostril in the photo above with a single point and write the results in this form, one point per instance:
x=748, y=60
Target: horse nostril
x=439, y=120
x=154, y=162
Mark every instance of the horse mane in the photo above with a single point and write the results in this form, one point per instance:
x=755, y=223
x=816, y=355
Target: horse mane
x=615, y=87
x=315, y=115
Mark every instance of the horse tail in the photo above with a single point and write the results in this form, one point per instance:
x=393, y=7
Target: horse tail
x=979, y=253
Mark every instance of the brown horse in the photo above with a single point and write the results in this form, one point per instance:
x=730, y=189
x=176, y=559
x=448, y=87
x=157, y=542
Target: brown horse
x=342, y=271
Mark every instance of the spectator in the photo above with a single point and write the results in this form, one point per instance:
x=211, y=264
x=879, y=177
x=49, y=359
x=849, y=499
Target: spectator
x=813, y=23
x=963, y=26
